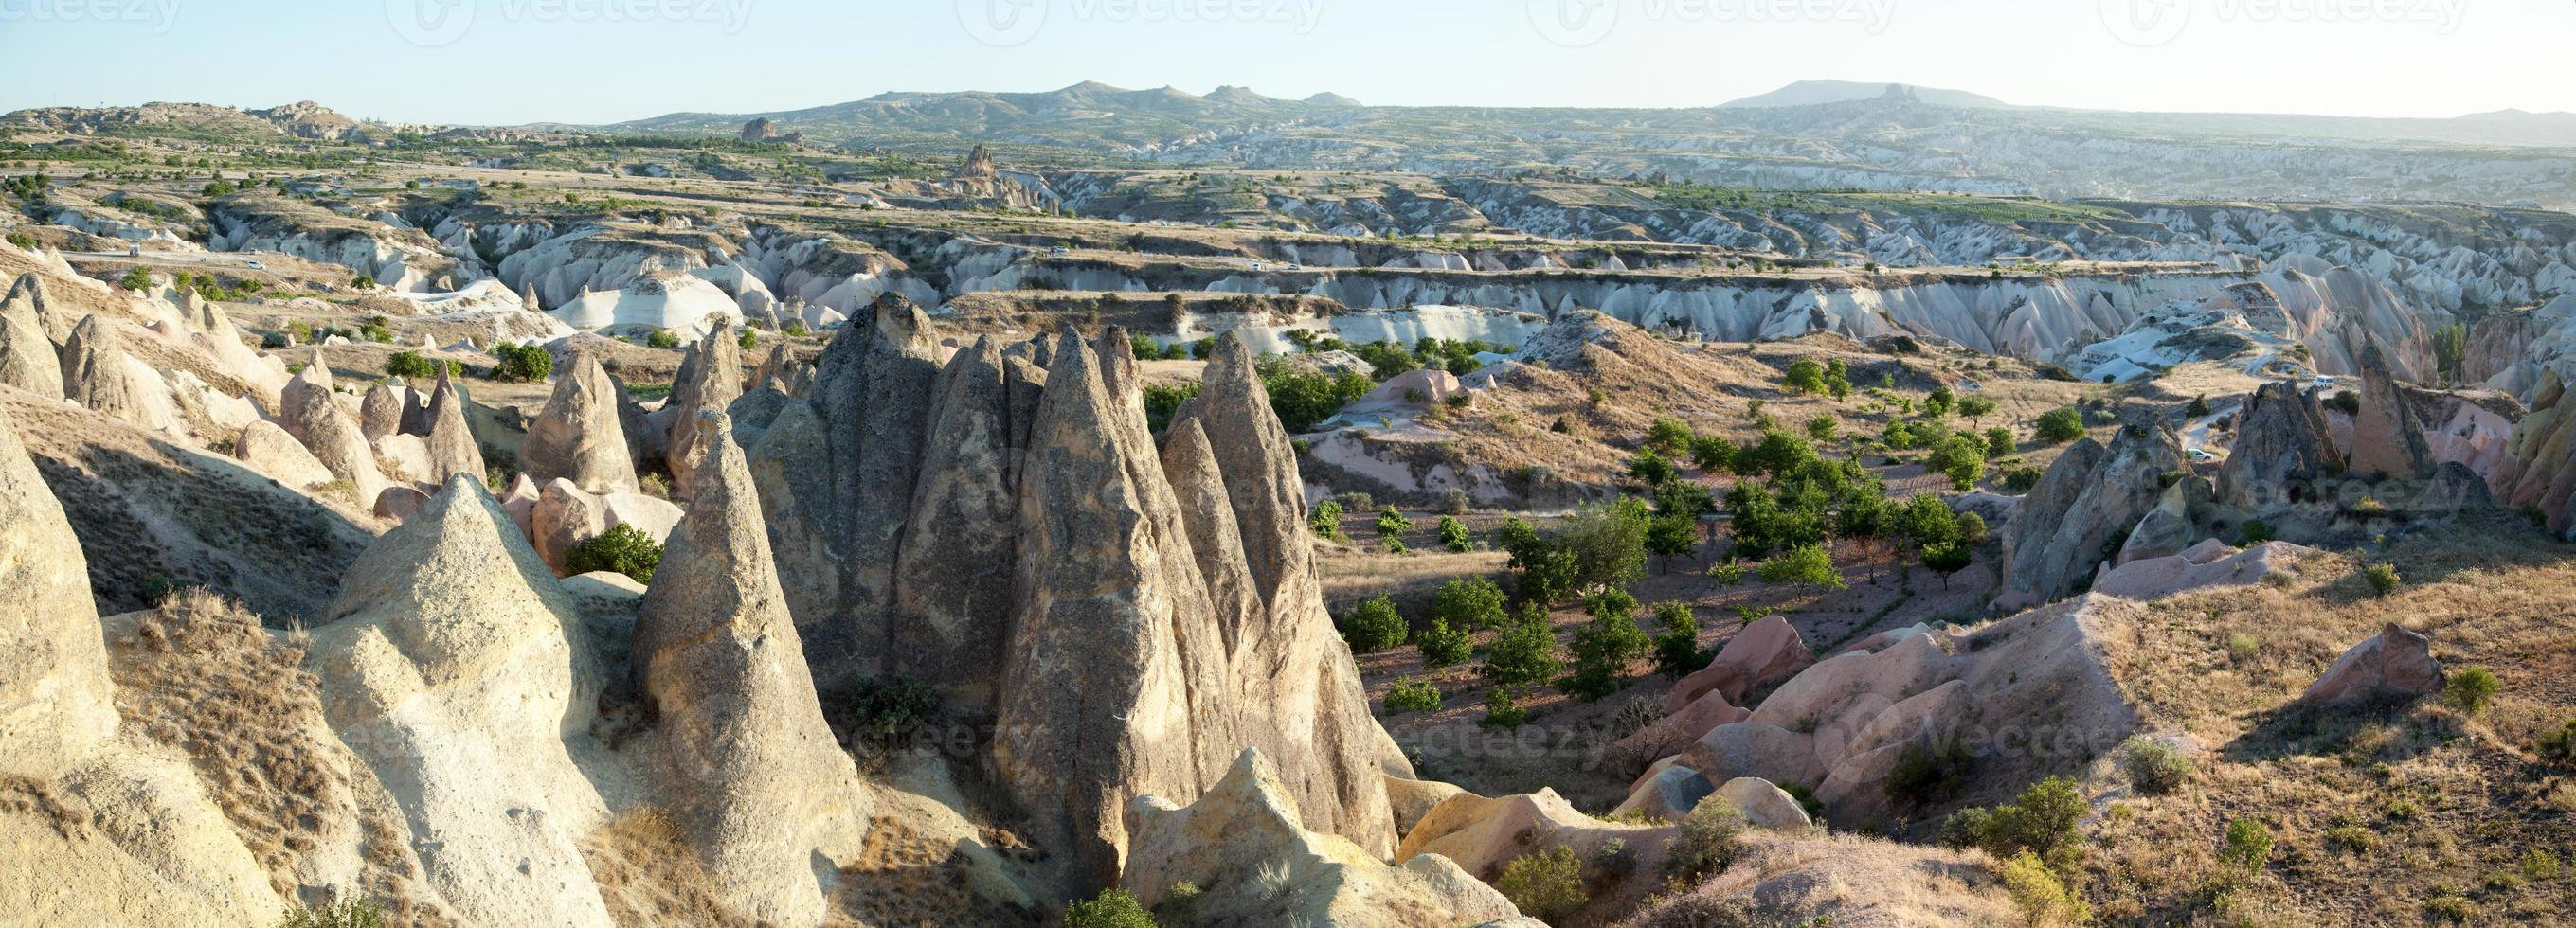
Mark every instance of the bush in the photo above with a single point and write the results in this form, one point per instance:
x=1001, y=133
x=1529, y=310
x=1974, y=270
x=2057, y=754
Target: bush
x=1547, y=886
x=1707, y=842
x=1805, y=376
x=24, y=241
x=663, y=338
x=623, y=549
x=1604, y=649
x=1471, y=604
x=2558, y=748
x=1374, y=626
x=522, y=363
x=1926, y=775
x=2473, y=690
x=1677, y=651
x=2041, y=822
x=1608, y=542
x=362, y=282
x=340, y=912
x=2257, y=531
x=747, y=340
x=1113, y=908
x=1807, y=564
x=137, y=280
x=2249, y=845
x=2382, y=578
x=1391, y=523
x=2061, y=425
x=1453, y=535
x=1442, y=645
x=1500, y=713
x=410, y=364
x=2020, y=478
x=1326, y=522
x=1411, y=695
x=2155, y=768
x=1729, y=573
x=888, y=713
x=1670, y=436
x=2041, y=896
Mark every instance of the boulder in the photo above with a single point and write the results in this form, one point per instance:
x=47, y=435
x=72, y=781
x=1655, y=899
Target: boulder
x=1482, y=835
x=1855, y=785
x=27, y=360
x=381, y=413
x=2173, y=525
x=448, y=660
x=269, y=450
x=1764, y=653
x=2207, y=565
x=1755, y=749
x=1243, y=844
x=399, y=504
x=563, y=517
x=1668, y=793
x=761, y=787
x=1766, y=805
x=1412, y=799
x=2395, y=664
x=56, y=704
x=1675, y=731
x=314, y=418
x=2454, y=489
x=579, y=436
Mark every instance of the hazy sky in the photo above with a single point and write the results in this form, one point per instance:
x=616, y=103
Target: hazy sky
x=511, y=61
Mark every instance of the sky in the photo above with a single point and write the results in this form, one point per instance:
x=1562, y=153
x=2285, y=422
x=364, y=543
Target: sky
x=501, y=62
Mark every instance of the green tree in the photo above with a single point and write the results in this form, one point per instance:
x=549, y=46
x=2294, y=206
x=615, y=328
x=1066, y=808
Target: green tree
x=1651, y=469
x=1712, y=454
x=1453, y=535
x=1326, y=522
x=1391, y=523
x=1939, y=403
x=1807, y=564
x=1608, y=541
x=1524, y=653
x=1974, y=408
x=1604, y=649
x=1824, y=427
x=137, y=280
x=1411, y=695
x=1113, y=908
x=1473, y=603
x=1805, y=376
x=522, y=363
x=410, y=364
x=1999, y=443
x=1374, y=626
x=1677, y=651
x=1838, y=379
x=1670, y=437
x=2061, y=425
x=1948, y=559
x=1672, y=535
x=1443, y=646
x=2450, y=348
x=1501, y=714
x=1961, y=458
x=1547, y=574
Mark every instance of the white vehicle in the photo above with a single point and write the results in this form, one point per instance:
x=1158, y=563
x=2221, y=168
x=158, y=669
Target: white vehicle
x=2324, y=382
x=254, y=265
x=2202, y=456
x=1296, y=267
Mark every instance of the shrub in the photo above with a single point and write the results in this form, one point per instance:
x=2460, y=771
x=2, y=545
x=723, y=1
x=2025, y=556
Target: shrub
x=2020, y=478
x=623, y=549
x=1442, y=645
x=2041, y=896
x=410, y=364
x=747, y=340
x=2249, y=845
x=2041, y=822
x=1805, y=376
x=1391, y=523
x=2154, y=767
x=1729, y=573
x=1670, y=436
x=1707, y=842
x=1453, y=535
x=1808, y=564
x=2473, y=690
x=888, y=713
x=2061, y=425
x=1608, y=541
x=522, y=363
x=1926, y=775
x=1113, y=908
x=1604, y=649
x=137, y=280
x=2382, y=578
x=2558, y=748
x=362, y=282
x=2243, y=648
x=1411, y=695
x=24, y=241
x=1471, y=604
x=2539, y=865
x=2257, y=531
x=1500, y=713
x=1547, y=886
x=1374, y=626
x=340, y=912
x=663, y=338
x=1326, y=522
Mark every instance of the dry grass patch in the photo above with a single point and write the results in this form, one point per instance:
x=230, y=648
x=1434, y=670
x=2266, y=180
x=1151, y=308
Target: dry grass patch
x=648, y=875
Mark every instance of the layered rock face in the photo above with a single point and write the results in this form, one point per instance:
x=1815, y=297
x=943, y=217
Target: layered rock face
x=2089, y=502
x=580, y=435
x=1012, y=535
x=55, y=700
x=28, y=361
x=2539, y=468
x=2282, y=448
x=760, y=783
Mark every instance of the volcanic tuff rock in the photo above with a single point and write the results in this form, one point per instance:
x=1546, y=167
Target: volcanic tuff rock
x=270, y=450
x=789, y=466
x=30, y=301
x=381, y=413
x=2098, y=496
x=956, y=570
x=2387, y=438
x=2282, y=448
x=314, y=418
x=873, y=386
x=28, y=360
x=449, y=657
x=580, y=435
x=762, y=786
x=452, y=448
x=1243, y=843
x=55, y=700
x=94, y=373
x=709, y=380
x=2396, y=663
